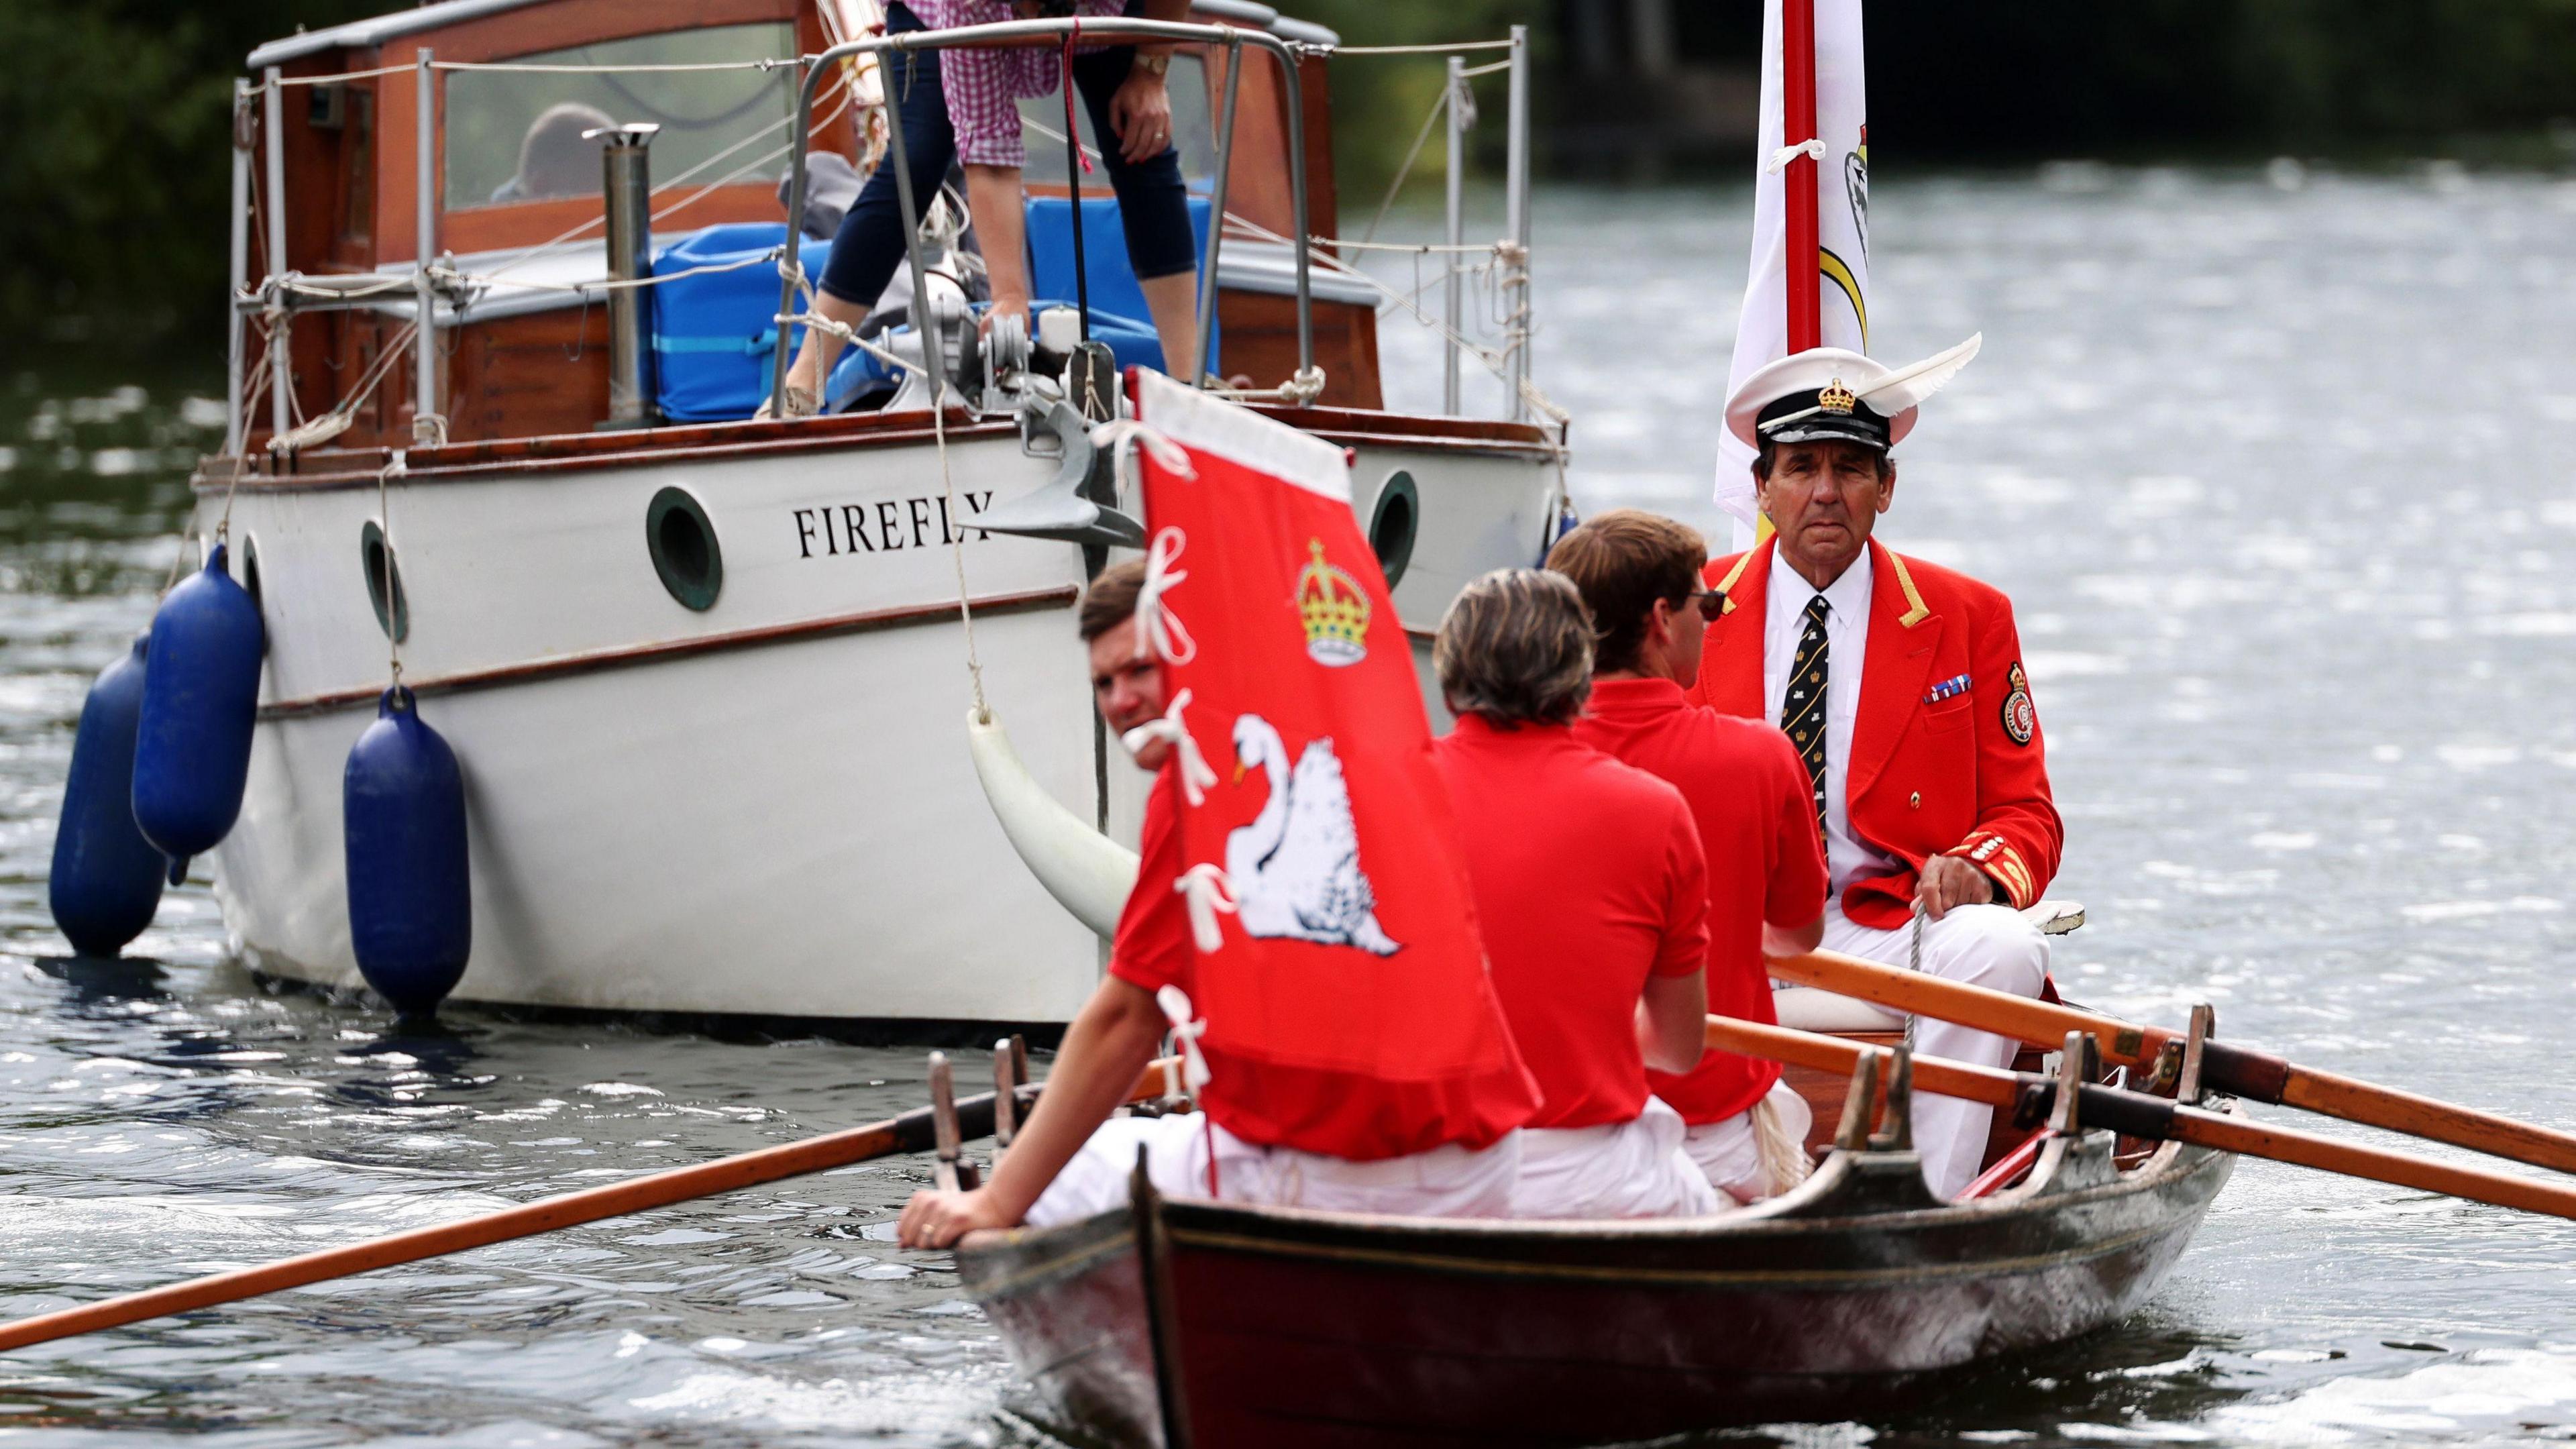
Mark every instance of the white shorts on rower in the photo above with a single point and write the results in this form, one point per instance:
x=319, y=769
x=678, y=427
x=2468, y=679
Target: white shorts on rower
x=1991, y=946
x=1632, y=1169
x=1446, y=1182
x=1729, y=1153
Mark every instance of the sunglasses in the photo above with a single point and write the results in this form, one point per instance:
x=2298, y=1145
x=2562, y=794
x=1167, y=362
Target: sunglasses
x=1712, y=602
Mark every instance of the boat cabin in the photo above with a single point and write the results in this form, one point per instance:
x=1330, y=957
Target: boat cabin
x=332, y=210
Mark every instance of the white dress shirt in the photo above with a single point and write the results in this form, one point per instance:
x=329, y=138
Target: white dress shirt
x=1847, y=859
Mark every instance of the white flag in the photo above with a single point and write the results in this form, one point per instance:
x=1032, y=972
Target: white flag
x=1842, y=226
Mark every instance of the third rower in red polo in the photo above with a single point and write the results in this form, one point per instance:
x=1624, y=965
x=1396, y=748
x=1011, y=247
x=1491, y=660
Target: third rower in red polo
x=1591, y=896
x=1749, y=794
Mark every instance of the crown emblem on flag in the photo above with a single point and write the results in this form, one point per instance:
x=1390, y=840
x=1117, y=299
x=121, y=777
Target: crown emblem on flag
x=1836, y=398
x=1335, y=610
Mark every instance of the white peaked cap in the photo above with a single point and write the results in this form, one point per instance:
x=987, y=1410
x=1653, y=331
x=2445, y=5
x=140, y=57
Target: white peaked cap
x=1891, y=393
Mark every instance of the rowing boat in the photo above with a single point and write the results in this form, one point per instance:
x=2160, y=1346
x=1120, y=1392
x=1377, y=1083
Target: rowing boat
x=1179, y=1322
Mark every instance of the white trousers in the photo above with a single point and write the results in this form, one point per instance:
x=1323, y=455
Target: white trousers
x=1990, y=946
x=1631, y=1169
x=1729, y=1153
x=1446, y=1182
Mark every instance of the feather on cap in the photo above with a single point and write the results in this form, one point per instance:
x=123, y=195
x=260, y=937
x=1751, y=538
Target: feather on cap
x=1890, y=393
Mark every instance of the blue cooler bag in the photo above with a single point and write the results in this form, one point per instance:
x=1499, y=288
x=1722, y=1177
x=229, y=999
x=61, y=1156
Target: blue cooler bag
x=713, y=337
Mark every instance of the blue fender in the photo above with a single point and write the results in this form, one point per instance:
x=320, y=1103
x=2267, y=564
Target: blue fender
x=106, y=881
x=200, y=701
x=411, y=902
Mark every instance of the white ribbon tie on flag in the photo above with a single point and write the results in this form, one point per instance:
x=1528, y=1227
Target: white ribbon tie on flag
x=1206, y=891
x=1115, y=435
x=1157, y=627
x=1185, y=1036
x=1780, y=159
x=1196, y=773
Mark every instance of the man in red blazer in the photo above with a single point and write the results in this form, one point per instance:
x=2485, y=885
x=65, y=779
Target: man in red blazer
x=1900, y=683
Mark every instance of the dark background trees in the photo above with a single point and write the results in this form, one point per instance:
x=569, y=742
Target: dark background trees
x=113, y=113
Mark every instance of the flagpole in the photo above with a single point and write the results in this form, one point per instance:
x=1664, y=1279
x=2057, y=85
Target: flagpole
x=1798, y=180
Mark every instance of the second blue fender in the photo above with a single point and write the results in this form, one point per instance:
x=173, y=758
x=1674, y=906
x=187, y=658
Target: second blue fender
x=200, y=702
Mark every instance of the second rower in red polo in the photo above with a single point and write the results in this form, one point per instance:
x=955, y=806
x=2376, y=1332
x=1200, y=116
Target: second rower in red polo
x=1591, y=896
x=1748, y=793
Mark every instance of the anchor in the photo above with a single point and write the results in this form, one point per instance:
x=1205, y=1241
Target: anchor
x=1076, y=506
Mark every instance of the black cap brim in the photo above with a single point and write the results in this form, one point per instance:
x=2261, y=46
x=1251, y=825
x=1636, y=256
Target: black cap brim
x=1829, y=428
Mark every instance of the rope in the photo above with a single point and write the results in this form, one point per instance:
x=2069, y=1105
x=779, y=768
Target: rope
x=1417, y=248
x=849, y=336
x=781, y=124
x=254, y=388
x=333, y=79
x=1912, y=1021
x=551, y=68
x=1439, y=108
x=957, y=544
x=607, y=284
x=335, y=422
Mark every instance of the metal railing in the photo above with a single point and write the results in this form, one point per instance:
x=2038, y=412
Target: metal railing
x=259, y=212
x=1027, y=32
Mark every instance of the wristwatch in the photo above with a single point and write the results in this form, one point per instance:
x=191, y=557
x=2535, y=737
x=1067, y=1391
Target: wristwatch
x=1154, y=62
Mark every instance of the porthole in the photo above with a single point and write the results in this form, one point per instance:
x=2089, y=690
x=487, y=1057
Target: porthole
x=246, y=562
x=245, y=565
x=1394, y=525
x=682, y=540
x=381, y=566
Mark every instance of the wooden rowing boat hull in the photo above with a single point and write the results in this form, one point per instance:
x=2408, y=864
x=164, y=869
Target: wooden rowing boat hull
x=1284, y=1327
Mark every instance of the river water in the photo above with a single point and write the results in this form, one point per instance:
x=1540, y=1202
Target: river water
x=2273, y=464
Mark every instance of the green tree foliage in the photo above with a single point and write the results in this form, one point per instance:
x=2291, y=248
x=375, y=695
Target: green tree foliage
x=114, y=174
x=2023, y=79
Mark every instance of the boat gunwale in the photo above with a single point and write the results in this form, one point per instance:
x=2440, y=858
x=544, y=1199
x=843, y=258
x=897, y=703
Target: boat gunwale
x=1016, y=1257
x=512, y=458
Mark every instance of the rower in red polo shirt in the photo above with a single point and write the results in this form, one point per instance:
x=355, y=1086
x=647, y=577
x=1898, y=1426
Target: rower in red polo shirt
x=1453, y=1154
x=1591, y=895
x=1748, y=793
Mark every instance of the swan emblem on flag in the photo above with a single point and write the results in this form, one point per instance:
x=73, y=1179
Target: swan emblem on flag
x=1296, y=868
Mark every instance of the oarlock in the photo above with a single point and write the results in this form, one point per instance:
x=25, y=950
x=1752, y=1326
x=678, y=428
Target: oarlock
x=954, y=1171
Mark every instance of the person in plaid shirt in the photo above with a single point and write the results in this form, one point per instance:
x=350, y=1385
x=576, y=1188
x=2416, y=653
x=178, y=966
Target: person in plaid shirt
x=963, y=106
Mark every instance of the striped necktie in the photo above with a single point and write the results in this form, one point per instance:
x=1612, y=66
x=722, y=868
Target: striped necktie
x=1802, y=711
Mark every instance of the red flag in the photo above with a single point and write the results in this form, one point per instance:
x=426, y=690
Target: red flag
x=1347, y=1005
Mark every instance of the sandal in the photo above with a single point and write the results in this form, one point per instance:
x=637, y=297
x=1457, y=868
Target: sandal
x=801, y=403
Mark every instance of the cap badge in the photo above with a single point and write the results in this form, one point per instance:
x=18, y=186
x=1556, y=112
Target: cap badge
x=1836, y=398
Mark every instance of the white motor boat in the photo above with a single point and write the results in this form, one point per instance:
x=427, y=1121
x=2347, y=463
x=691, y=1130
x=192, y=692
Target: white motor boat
x=707, y=678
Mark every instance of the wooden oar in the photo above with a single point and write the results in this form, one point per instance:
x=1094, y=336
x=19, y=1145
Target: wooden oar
x=914, y=1131
x=2235, y=1070
x=2135, y=1114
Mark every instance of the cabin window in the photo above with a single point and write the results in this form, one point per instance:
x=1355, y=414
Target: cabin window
x=516, y=135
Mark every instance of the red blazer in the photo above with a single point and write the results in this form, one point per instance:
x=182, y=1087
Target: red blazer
x=1965, y=774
